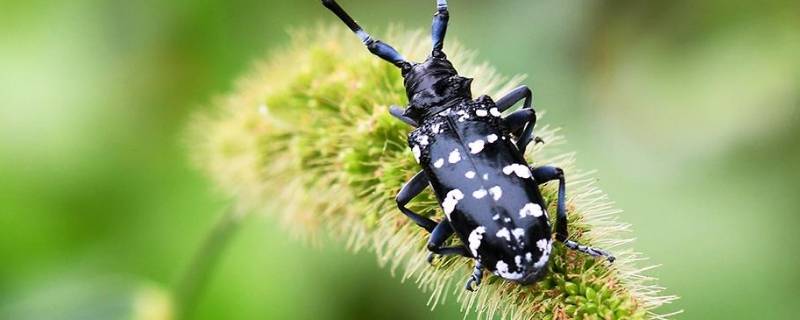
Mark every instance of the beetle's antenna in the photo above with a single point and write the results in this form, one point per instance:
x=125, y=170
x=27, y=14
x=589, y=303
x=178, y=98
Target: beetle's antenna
x=377, y=47
x=439, y=28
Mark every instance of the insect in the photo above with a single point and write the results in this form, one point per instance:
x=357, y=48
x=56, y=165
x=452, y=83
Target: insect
x=473, y=158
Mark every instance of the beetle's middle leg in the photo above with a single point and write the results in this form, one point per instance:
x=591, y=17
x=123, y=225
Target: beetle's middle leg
x=545, y=174
x=411, y=189
x=440, y=234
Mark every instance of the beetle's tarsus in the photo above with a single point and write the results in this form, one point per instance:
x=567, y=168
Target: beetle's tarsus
x=430, y=258
x=475, y=278
x=538, y=140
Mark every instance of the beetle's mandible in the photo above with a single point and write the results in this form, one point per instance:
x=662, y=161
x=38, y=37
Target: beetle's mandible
x=473, y=158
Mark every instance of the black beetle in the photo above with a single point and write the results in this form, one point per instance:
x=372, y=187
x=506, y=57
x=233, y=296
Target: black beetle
x=489, y=194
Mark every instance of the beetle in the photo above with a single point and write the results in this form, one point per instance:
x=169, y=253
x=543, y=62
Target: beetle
x=473, y=158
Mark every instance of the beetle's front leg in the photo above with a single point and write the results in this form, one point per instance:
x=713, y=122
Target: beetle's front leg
x=411, y=189
x=440, y=234
x=545, y=174
x=520, y=117
x=516, y=122
x=475, y=278
x=399, y=113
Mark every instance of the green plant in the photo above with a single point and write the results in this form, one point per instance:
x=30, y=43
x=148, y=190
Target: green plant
x=307, y=134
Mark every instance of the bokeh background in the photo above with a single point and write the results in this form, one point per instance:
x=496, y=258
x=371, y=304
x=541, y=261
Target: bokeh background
x=689, y=110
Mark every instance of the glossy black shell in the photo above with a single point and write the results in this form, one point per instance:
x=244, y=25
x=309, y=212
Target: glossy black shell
x=485, y=188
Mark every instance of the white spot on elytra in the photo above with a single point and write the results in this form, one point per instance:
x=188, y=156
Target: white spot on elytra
x=528, y=256
x=470, y=174
x=436, y=128
x=416, y=152
x=545, y=246
x=485, y=176
x=504, y=234
x=518, y=233
x=496, y=192
x=450, y=201
x=423, y=140
x=474, y=240
x=518, y=261
x=476, y=146
x=507, y=219
x=491, y=138
x=439, y=163
x=530, y=209
x=481, y=113
x=480, y=193
x=454, y=157
x=520, y=170
x=496, y=217
x=494, y=112
x=502, y=270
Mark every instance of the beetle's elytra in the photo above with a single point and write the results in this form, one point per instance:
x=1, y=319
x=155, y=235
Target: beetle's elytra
x=473, y=159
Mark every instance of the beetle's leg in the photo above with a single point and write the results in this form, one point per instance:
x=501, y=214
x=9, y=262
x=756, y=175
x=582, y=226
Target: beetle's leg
x=475, y=278
x=520, y=93
x=517, y=121
x=411, y=189
x=440, y=234
x=545, y=174
x=399, y=113
x=378, y=48
x=439, y=28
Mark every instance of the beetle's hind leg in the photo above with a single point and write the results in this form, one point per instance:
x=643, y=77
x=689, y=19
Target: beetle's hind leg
x=411, y=189
x=440, y=234
x=399, y=113
x=545, y=174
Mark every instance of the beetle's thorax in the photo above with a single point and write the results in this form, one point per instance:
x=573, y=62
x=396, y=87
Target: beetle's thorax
x=432, y=86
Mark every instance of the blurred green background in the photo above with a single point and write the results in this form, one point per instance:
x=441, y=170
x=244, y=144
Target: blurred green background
x=689, y=110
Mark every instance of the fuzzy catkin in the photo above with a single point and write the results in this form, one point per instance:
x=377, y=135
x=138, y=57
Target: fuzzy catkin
x=307, y=134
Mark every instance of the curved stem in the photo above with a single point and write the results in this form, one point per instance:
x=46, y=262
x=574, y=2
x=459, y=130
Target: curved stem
x=194, y=279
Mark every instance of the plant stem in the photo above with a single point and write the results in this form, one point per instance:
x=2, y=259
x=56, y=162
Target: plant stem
x=193, y=281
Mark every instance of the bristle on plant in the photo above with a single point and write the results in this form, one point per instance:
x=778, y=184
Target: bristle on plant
x=307, y=134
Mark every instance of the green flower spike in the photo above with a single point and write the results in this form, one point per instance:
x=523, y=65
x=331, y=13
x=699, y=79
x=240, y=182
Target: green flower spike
x=308, y=134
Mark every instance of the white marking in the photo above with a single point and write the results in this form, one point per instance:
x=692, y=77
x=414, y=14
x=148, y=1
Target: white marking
x=463, y=116
x=416, y=152
x=518, y=233
x=520, y=170
x=507, y=219
x=491, y=138
x=503, y=233
x=494, y=112
x=530, y=209
x=423, y=140
x=439, y=163
x=485, y=176
x=541, y=244
x=518, y=261
x=496, y=192
x=470, y=174
x=474, y=240
x=545, y=252
x=496, y=217
x=363, y=36
x=451, y=200
x=476, y=146
x=435, y=128
x=502, y=270
x=528, y=256
x=481, y=112
x=480, y=193
x=455, y=156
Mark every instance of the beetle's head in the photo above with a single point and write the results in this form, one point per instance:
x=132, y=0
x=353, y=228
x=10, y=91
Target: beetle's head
x=432, y=84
